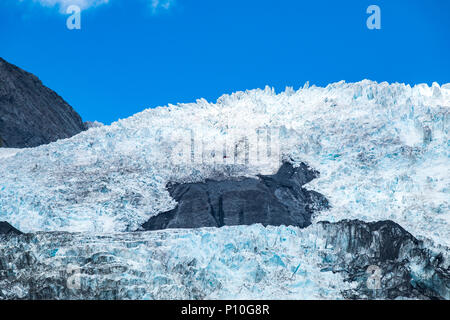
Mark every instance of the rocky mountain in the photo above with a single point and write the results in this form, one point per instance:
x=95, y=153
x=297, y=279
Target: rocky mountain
x=30, y=113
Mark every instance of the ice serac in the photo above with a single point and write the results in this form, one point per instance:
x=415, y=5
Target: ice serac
x=30, y=113
x=277, y=199
x=322, y=261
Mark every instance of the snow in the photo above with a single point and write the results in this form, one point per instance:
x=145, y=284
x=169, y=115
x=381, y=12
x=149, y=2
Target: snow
x=93, y=124
x=382, y=150
x=8, y=152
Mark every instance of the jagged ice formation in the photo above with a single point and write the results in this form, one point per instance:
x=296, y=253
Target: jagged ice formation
x=382, y=154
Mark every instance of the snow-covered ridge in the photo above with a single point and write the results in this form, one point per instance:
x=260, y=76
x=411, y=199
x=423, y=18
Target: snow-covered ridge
x=381, y=149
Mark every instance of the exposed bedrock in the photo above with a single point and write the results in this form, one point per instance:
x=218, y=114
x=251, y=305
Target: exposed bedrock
x=277, y=199
x=7, y=229
x=30, y=113
x=385, y=260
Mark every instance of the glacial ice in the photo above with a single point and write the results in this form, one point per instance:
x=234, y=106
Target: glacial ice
x=382, y=151
x=241, y=262
x=8, y=152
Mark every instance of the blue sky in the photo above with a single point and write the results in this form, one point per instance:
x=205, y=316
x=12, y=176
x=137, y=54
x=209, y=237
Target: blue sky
x=134, y=54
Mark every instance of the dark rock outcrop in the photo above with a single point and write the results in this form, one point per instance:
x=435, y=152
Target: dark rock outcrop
x=30, y=113
x=7, y=229
x=277, y=199
x=384, y=259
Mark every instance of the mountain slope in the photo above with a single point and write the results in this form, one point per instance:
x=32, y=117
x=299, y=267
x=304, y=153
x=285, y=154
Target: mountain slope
x=30, y=113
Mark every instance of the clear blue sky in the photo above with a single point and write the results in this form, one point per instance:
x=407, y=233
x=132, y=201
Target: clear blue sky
x=128, y=57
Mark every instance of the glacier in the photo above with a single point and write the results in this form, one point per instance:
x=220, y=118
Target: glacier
x=381, y=149
x=382, y=153
x=233, y=263
x=8, y=152
x=323, y=261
